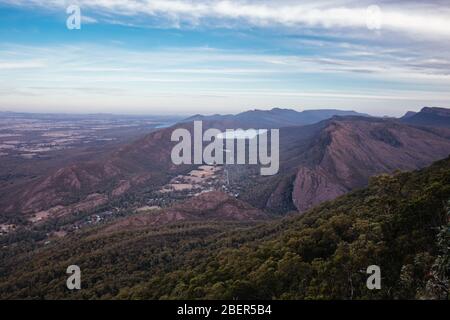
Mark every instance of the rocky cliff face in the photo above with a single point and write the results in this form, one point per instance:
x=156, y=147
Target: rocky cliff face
x=357, y=149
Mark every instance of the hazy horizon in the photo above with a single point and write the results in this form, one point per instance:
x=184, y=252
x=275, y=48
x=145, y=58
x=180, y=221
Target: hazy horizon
x=186, y=115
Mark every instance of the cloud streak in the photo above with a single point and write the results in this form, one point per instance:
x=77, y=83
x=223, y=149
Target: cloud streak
x=196, y=77
x=397, y=16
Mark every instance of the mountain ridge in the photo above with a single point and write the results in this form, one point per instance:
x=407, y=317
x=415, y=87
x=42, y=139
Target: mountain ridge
x=208, y=206
x=275, y=118
x=335, y=156
x=318, y=162
x=429, y=116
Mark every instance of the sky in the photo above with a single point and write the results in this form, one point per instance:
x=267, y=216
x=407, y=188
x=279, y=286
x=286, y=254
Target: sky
x=182, y=57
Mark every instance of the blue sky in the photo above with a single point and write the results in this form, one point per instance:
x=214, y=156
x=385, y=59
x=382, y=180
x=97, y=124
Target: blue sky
x=207, y=56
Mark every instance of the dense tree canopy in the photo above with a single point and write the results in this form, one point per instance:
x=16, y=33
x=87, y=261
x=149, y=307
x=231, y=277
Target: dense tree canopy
x=399, y=222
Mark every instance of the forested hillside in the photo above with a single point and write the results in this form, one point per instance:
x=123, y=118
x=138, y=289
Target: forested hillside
x=399, y=222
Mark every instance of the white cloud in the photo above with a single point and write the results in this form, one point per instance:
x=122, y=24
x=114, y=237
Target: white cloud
x=88, y=20
x=429, y=20
x=82, y=76
x=28, y=64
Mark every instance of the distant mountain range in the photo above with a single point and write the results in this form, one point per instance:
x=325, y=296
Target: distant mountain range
x=275, y=118
x=438, y=117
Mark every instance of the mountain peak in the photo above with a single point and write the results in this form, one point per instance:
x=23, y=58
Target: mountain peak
x=429, y=116
x=436, y=110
